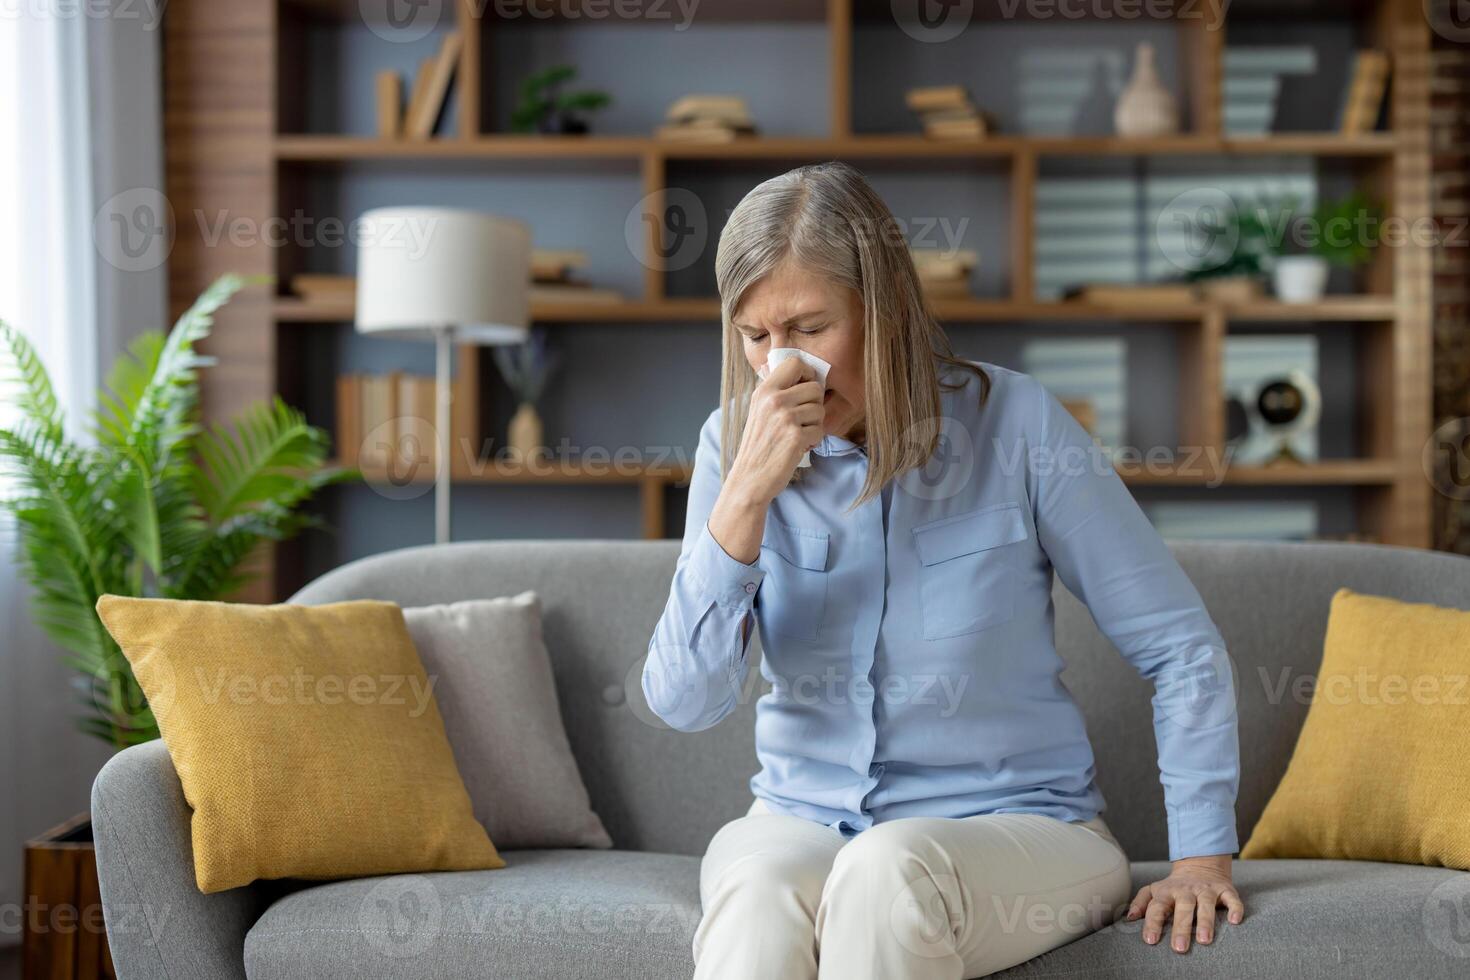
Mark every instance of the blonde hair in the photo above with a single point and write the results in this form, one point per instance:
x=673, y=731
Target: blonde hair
x=828, y=220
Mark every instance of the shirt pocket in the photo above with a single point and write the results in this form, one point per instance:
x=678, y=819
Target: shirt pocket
x=793, y=595
x=967, y=573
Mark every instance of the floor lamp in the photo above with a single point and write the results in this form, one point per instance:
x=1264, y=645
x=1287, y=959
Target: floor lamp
x=456, y=277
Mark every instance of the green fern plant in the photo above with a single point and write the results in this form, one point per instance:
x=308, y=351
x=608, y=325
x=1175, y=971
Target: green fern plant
x=155, y=504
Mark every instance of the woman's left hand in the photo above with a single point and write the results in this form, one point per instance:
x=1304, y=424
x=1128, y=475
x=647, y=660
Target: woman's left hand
x=1190, y=895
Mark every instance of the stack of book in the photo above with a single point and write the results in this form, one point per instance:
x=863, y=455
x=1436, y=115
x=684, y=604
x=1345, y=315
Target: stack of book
x=325, y=290
x=553, y=280
x=707, y=119
x=386, y=421
x=418, y=119
x=944, y=273
x=947, y=113
x=1131, y=294
x=1365, y=93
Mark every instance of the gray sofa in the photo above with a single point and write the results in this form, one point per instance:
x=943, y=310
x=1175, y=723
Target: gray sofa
x=630, y=912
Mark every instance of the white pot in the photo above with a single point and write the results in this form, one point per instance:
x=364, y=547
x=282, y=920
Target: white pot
x=1300, y=278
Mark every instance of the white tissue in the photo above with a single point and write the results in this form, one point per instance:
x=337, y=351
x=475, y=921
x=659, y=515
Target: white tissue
x=821, y=367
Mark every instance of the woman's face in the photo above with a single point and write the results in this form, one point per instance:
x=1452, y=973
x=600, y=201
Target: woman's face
x=790, y=307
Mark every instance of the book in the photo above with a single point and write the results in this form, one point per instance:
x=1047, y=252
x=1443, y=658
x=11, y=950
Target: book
x=573, y=293
x=416, y=437
x=390, y=104
x=349, y=418
x=1115, y=294
x=418, y=93
x=379, y=433
x=702, y=134
x=725, y=109
x=945, y=288
x=937, y=97
x=972, y=128
x=555, y=265
x=942, y=263
x=419, y=125
x=1365, y=93
x=324, y=288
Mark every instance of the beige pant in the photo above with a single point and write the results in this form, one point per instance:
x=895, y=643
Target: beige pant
x=918, y=897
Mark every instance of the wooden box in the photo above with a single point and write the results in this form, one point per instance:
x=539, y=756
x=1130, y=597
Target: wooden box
x=64, y=934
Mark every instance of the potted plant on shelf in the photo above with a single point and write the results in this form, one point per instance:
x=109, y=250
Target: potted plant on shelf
x=1240, y=248
x=526, y=368
x=153, y=504
x=545, y=108
x=1338, y=233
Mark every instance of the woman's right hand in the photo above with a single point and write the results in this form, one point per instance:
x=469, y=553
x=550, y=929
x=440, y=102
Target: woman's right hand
x=784, y=421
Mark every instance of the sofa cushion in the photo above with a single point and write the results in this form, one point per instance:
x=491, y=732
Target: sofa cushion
x=1303, y=919
x=307, y=739
x=552, y=914
x=1379, y=770
x=495, y=689
x=604, y=914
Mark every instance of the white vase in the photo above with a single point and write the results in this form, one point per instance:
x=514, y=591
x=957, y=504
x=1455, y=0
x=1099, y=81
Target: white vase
x=1146, y=107
x=1299, y=278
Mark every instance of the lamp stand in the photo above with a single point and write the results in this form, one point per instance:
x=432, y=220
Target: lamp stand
x=443, y=389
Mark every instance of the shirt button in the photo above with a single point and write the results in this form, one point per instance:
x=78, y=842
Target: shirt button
x=750, y=588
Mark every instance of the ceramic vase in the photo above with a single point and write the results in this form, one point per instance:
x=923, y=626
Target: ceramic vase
x=1146, y=107
x=524, y=434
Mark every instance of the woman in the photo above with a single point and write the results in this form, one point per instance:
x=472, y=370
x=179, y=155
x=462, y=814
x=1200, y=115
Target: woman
x=926, y=805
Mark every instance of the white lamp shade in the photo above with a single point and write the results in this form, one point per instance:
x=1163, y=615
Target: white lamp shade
x=425, y=269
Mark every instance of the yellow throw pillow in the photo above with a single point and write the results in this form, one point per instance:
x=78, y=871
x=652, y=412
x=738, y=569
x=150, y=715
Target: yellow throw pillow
x=307, y=739
x=1379, y=772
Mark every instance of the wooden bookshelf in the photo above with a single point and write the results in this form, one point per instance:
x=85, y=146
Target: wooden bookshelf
x=229, y=148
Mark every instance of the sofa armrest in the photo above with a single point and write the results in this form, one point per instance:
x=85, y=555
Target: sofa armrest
x=159, y=925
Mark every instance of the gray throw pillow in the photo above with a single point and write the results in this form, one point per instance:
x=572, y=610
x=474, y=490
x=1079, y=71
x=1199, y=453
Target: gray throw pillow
x=492, y=679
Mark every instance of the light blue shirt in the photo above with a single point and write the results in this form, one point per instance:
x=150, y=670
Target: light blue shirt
x=909, y=643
